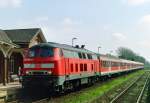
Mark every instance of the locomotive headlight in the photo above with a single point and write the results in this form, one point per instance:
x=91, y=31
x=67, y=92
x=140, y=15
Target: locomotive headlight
x=27, y=72
x=49, y=72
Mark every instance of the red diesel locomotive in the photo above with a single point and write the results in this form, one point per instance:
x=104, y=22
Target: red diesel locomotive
x=65, y=67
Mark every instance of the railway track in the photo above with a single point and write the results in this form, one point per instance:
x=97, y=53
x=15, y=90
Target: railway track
x=54, y=99
x=134, y=92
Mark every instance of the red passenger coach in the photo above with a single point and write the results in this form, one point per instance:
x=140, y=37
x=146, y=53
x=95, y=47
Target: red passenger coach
x=112, y=65
x=60, y=66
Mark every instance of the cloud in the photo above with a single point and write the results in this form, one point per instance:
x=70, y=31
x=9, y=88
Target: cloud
x=68, y=25
x=67, y=21
x=64, y=28
x=10, y=3
x=42, y=19
x=145, y=19
x=107, y=27
x=144, y=24
x=145, y=44
x=136, y=2
x=119, y=36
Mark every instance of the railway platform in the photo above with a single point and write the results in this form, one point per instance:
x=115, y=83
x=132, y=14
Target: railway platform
x=8, y=91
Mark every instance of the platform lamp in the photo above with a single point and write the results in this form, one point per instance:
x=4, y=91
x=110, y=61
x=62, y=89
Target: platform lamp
x=99, y=48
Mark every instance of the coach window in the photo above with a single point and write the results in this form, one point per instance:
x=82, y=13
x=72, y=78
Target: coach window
x=85, y=67
x=110, y=64
x=107, y=63
x=71, y=67
x=113, y=64
x=103, y=63
x=76, y=65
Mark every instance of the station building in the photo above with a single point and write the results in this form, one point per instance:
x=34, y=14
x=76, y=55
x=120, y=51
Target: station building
x=13, y=46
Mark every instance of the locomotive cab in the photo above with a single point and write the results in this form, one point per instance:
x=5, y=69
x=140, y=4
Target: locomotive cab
x=40, y=64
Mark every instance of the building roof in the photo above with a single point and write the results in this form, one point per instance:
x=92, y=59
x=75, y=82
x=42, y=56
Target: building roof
x=22, y=35
x=5, y=39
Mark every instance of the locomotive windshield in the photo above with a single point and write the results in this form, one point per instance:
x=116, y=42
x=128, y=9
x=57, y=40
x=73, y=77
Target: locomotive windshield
x=41, y=52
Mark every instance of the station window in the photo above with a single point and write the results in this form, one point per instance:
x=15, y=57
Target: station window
x=76, y=65
x=85, y=67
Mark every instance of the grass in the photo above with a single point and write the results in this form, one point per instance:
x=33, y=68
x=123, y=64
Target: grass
x=92, y=94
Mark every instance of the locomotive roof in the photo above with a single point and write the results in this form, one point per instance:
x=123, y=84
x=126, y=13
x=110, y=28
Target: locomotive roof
x=69, y=47
x=63, y=46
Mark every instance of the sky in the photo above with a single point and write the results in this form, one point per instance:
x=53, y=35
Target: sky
x=106, y=23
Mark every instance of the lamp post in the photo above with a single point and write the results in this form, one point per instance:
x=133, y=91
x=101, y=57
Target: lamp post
x=99, y=48
x=73, y=41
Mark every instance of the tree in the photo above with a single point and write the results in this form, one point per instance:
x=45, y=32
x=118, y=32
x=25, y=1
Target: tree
x=126, y=53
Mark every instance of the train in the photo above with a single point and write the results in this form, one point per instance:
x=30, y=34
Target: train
x=62, y=67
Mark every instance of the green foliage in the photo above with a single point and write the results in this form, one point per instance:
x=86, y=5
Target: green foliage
x=96, y=92
x=126, y=53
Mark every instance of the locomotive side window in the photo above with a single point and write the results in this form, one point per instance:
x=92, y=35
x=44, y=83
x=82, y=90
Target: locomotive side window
x=81, y=67
x=92, y=67
x=89, y=56
x=71, y=66
x=85, y=67
x=76, y=66
x=76, y=55
x=70, y=54
x=84, y=56
x=80, y=55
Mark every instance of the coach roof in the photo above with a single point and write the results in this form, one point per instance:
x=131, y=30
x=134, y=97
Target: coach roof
x=63, y=46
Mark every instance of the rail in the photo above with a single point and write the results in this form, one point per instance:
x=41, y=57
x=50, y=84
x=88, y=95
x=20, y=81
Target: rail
x=124, y=91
